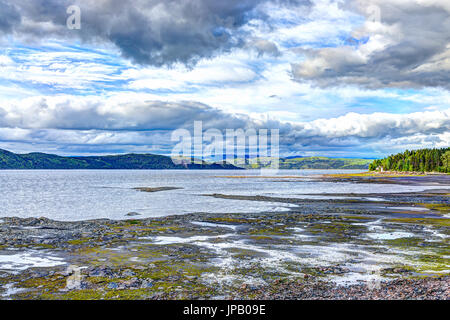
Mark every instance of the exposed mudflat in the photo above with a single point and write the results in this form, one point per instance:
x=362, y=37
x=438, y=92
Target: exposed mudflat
x=157, y=189
x=352, y=246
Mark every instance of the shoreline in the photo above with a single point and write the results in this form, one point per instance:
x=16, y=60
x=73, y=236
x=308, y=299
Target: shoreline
x=390, y=174
x=380, y=246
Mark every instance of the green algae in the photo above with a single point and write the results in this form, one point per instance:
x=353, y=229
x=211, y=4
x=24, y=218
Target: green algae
x=444, y=222
x=259, y=238
x=78, y=242
x=231, y=220
x=338, y=230
x=442, y=208
x=240, y=253
x=184, y=270
x=358, y=218
x=167, y=278
x=269, y=231
x=405, y=242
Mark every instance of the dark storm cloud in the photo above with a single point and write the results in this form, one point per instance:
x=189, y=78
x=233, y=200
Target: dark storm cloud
x=155, y=32
x=9, y=17
x=415, y=50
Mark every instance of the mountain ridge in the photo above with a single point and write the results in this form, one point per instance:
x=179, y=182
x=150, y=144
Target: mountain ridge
x=134, y=161
x=43, y=161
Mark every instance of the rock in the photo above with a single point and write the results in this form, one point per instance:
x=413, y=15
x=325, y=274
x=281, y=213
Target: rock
x=139, y=267
x=157, y=189
x=133, y=214
x=148, y=283
x=98, y=272
x=131, y=284
x=253, y=287
x=113, y=285
x=128, y=273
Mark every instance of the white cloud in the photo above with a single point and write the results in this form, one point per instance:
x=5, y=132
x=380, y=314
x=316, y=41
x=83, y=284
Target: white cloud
x=406, y=47
x=379, y=125
x=86, y=121
x=67, y=96
x=61, y=69
x=220, y=71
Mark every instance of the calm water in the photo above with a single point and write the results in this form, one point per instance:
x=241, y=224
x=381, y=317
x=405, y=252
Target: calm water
x=92, y=194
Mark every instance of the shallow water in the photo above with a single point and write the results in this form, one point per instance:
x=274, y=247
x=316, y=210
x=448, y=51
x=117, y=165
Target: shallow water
x=21, y=260
x=70, y=195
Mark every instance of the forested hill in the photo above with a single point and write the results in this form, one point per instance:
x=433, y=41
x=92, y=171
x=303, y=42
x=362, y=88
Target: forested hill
x=423, y=160
x=303, y=163
x=9, y=160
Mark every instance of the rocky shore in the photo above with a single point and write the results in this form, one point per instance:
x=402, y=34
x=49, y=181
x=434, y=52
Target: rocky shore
x=374, y=246
x=400, y=289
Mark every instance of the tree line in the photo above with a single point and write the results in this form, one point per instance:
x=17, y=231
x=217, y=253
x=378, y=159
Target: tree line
x=423, y=160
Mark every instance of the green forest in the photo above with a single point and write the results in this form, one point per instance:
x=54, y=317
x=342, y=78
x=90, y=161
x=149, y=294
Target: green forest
x=423, y=160
x=303, y=163
x=9, y=160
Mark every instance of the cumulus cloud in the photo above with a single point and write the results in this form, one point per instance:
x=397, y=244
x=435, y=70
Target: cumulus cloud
x=377, y=125
x=401, y=44
x=155, y=32
x=94, y=122
x=102, y=103
x=263, y=46
x=70, y=113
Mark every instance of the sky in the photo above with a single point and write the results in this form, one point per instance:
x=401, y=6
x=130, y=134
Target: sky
x=340, y=78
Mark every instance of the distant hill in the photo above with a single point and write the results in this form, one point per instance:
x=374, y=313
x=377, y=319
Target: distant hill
x=422, y=160
x=9, y=160
x=316, y=163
